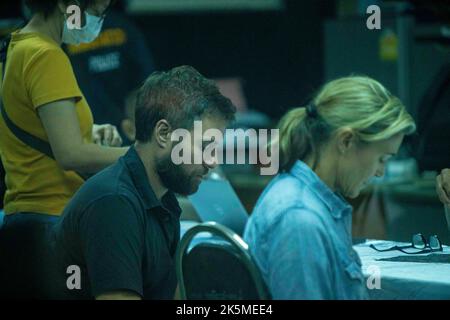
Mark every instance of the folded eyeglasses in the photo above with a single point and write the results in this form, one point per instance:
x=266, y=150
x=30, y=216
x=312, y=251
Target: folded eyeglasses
x=418, y=242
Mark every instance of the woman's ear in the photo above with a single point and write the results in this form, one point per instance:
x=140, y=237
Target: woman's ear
x=346, y=139
x=162, y=133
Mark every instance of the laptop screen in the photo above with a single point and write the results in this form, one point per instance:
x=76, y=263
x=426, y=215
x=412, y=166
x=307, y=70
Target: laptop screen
x=216, y=201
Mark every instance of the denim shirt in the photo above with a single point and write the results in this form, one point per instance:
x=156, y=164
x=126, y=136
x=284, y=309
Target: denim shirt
x=300, y=237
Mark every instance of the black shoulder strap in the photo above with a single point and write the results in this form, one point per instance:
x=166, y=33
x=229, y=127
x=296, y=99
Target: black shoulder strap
x=30, y=140
x=3, y=51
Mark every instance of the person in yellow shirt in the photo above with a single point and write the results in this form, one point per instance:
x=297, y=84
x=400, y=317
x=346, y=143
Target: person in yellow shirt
x=41, y=97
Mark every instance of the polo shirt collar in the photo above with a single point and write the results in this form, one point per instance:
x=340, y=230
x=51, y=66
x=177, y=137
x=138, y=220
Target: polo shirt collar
x=140, y=180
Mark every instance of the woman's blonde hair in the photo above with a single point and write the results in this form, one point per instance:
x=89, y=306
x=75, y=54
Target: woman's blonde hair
x=356, y=102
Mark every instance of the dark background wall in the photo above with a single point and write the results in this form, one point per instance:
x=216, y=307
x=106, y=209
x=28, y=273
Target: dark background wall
x=278, y=54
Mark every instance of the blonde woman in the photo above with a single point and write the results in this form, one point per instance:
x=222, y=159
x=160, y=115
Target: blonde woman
x=300, y=230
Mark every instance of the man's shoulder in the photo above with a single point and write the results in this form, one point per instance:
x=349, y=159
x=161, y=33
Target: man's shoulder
x=114, y=179
x=107, y=210
x=111, y=184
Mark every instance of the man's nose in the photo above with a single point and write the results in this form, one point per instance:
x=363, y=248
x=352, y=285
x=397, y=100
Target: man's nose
x=211, y=162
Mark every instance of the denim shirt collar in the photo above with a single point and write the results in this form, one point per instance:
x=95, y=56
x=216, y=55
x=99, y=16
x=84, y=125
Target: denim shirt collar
x=335, y=203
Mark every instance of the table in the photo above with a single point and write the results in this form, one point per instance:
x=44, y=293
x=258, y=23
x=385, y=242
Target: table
x=396, y=209
x=405, y=280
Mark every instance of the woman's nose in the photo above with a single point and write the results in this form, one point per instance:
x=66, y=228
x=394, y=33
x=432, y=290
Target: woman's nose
x=211, y=163
x=380, y=171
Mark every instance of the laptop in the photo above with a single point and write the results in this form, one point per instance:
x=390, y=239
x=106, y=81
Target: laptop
x=216, y=201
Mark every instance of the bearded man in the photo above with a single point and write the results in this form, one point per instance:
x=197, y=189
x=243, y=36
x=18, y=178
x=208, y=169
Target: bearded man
x=118, y=235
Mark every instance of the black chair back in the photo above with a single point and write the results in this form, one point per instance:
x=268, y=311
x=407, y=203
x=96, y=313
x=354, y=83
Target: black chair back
x=219, y=267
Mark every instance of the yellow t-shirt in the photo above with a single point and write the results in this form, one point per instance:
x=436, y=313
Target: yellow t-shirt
x=37, y=72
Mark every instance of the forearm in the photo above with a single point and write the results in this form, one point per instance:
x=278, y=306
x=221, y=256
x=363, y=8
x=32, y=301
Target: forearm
x=67, y=141
x=119, y=295
x=91, y=158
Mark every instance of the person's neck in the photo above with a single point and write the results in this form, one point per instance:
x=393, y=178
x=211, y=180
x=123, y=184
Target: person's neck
x=149, y=161
x=325, y=170
x=49, y=27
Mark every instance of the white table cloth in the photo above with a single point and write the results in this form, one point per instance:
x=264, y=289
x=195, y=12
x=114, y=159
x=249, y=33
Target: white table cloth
x=405, y=280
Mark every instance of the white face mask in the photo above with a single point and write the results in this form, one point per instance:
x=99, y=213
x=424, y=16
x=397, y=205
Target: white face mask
x=86, y=34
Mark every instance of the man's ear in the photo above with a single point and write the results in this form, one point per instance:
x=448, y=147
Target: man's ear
x=346, y=139
x=162, y=133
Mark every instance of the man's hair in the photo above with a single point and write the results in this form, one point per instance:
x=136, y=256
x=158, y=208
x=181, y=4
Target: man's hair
x=46, y=7
x=180, y=96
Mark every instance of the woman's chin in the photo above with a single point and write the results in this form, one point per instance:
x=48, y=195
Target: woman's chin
x=353, y=194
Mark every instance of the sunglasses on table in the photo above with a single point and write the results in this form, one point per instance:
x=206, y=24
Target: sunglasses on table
x=418, y=242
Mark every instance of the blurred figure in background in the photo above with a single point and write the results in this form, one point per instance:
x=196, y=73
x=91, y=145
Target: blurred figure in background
x=443, y=186
x=443, y=191
x=111, y=66
x=300, y=230
x=127, y=125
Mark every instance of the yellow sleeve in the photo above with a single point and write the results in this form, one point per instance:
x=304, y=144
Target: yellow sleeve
x=49, y=77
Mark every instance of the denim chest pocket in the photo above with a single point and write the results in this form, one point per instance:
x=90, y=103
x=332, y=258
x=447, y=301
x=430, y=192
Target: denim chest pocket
x=352, y=265
x=353, y=270
x=355, y=280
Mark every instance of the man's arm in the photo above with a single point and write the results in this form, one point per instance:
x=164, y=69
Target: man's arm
x=119, y=295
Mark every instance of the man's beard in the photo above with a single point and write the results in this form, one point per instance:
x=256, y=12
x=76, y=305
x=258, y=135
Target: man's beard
x=175, y=178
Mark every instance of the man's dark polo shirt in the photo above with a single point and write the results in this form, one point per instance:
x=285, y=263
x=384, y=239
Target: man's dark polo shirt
x=119, y=234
